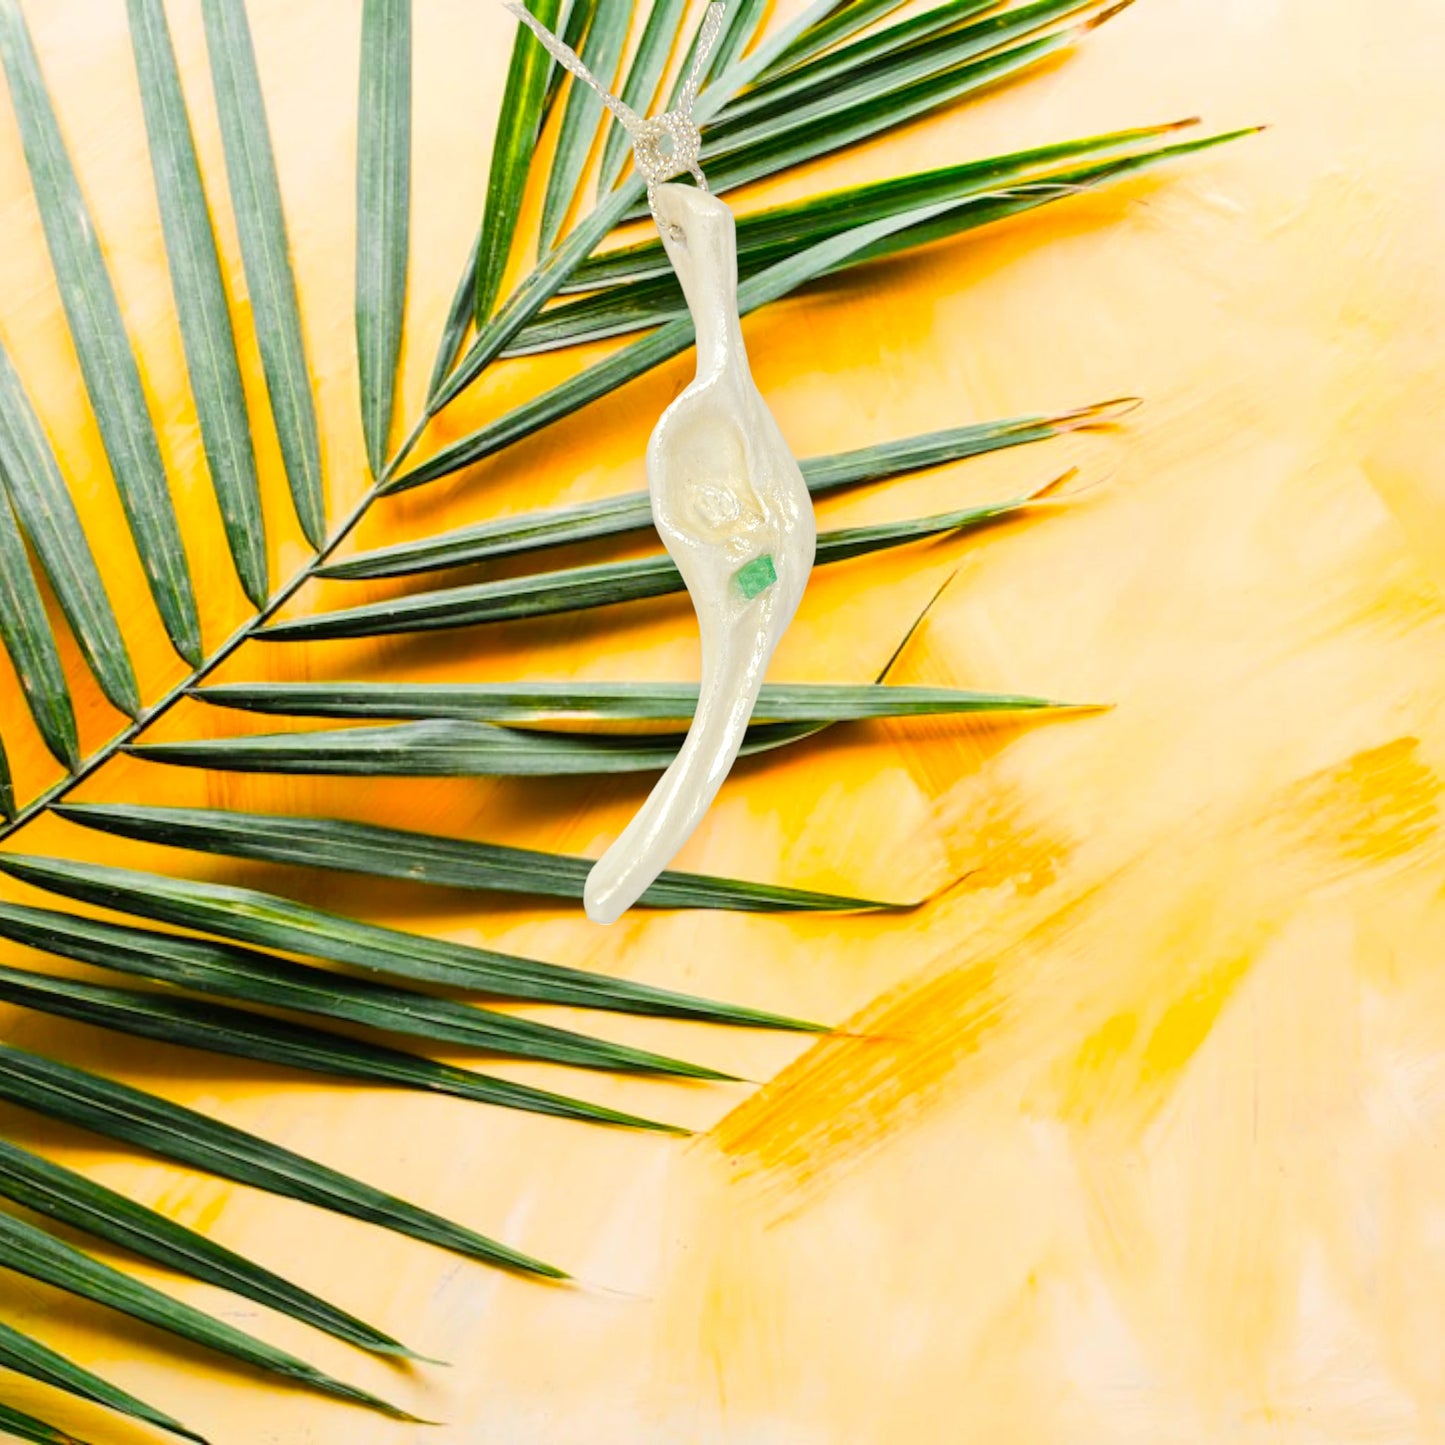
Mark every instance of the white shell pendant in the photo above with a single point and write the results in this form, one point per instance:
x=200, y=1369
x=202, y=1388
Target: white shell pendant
x=735, y=515
x=728, y=498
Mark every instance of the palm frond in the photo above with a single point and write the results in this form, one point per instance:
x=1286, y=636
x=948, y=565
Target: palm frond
x=843, y=64
x=383, y=212
x=448, y=749
x=618, y=516
x=602, y=53
x=266, y=254
x=200, y=295
x=71, y=1199
x=639, y=90
x=458, y=748
x=551, y=273
x=261, y=1039
x=102, y=347
x=1030, y=195
x=268, y=921
x=642, y=356
x=575, y=27
x=740, y=27
x=257, y=975
x=744, y=158
x=879, y=66
x=18, y=1426
x=846, y=20
x=31, y=479
x=7, y=786
x=330, y=843
x=764, y=235
x=604, y=584
x=29, y=1357
x=457, y=324
x=25, y=631
x=524, y=104
x=534, y=704
x=232, y=1031
x=31, y=1251
x=117, y=1111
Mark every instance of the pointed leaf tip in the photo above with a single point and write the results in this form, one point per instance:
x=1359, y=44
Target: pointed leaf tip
x=1103, y=18
x=72, y=1199
x=182, y=1135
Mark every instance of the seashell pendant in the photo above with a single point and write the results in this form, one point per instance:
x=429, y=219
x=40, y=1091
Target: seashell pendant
x=728, y=497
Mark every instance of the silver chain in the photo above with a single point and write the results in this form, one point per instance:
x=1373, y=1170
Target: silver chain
x=712, y=24
x=656, y=162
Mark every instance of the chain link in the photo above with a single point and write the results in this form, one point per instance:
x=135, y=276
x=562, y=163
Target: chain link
x=663, y=146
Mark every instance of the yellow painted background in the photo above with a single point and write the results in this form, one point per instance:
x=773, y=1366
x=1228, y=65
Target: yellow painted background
x=1137, y=1132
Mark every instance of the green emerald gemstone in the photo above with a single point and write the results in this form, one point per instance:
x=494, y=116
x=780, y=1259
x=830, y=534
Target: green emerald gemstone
x=755, y=576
